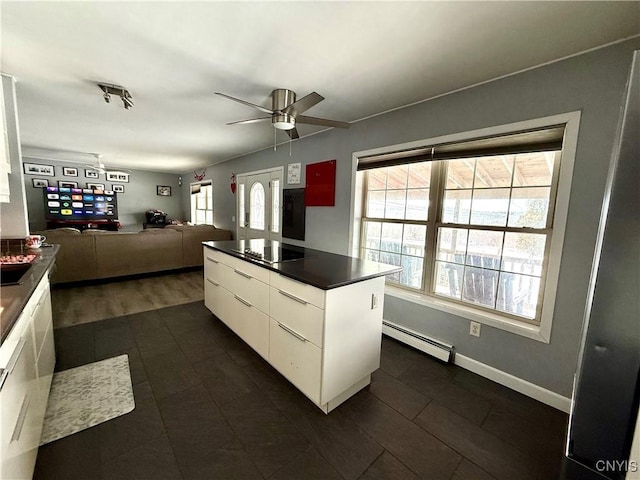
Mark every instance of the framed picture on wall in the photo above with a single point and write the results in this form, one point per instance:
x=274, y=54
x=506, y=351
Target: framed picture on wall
x=65, y=184
x=40, y=182
x=95, y=186
x=90, y=173
x=163, y=190
x=117, y=188
x=36, y=169
x=69, y=171
x=118, y=177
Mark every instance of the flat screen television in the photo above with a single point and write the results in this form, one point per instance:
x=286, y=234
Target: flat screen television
x=80, y=204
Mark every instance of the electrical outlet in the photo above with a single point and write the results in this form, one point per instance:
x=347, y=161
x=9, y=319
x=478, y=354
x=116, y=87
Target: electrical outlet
x=233, y=219
x=474, y=329
x=375, y=301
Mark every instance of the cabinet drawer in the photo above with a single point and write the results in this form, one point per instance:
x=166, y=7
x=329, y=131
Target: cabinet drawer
x=300, y=316
x=218, y=272
x=213, y=256
x=250, y=324
x=248, y=288
x=247, y=268
x=41, y=317
x=298, y=360
x=45, y=365
x=17, y=393
x=217, y=299
x=312, y=295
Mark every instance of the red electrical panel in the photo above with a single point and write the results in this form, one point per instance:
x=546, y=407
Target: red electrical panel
x=320, y=188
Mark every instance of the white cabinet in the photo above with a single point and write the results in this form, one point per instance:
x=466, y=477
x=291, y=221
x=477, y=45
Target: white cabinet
x=5, y=161
x=325, y=342
x=27, y=359
x=299, y=360
x=237, y=295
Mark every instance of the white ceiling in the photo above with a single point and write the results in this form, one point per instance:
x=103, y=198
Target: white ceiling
x=363, y=57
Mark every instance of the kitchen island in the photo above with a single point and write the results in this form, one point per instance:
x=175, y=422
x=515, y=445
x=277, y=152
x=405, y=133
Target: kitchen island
x=315, y=316
x=27, y=359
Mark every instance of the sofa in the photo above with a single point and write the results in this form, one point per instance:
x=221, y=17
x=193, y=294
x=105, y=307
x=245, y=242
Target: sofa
x=97, y=254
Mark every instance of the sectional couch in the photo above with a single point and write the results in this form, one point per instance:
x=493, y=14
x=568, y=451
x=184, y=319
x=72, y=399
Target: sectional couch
x=97, y=254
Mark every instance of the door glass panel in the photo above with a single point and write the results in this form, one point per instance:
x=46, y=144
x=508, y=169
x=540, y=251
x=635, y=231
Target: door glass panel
x=256, y=206
x=241, y=215
x=275, y=206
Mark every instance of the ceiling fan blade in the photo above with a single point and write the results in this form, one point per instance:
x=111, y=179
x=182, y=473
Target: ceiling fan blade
x=262, y=109
x=251, y=120
x=321, y=121
x=305, y=103
x=293, y=133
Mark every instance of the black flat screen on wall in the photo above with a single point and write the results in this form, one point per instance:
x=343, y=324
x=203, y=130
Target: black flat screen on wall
x=80, y=204
x=293, y=214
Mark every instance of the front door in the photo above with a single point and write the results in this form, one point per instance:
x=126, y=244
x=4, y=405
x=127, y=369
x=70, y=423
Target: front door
x=259, y=203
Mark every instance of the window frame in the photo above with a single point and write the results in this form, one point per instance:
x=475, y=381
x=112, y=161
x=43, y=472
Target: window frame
x=437, y=188
x=557, y=216
x=194, y=209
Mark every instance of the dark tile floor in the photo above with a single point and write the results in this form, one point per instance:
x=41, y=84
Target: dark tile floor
x=208, y=407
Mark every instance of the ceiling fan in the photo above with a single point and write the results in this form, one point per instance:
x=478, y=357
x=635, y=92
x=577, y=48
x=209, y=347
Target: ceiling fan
x=101, y=168
x=286, y=111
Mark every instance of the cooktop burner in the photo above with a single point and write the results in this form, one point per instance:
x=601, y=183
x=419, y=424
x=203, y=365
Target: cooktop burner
x=272, y=255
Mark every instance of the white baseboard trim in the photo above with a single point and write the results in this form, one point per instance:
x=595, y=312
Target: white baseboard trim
x=529, y=389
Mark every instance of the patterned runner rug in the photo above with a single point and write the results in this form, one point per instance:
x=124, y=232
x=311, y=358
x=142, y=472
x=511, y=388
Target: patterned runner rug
x=85, y=396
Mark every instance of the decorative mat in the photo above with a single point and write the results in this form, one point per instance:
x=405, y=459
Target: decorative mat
x=85, y=396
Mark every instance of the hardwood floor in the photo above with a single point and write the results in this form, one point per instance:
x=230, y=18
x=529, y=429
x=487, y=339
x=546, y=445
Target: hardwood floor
x=76, y=304
x=208, y=406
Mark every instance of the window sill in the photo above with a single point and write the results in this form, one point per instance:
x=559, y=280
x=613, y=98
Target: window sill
x=486, y=318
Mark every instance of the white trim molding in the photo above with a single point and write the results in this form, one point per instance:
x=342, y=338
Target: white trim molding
x=529, y=389
x=541, y=332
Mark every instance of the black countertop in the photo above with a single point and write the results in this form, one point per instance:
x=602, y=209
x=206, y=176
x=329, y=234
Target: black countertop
x=321, y=269
x=13, y=298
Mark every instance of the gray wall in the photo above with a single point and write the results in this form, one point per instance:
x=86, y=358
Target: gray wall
x=593, y=83
x=139, y=194
x=13, y=215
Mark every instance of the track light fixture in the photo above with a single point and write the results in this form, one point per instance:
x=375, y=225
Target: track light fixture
x=123, y=93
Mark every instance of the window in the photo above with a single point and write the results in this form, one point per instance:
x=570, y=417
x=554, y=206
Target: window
x=202, y=203
x=470, y=224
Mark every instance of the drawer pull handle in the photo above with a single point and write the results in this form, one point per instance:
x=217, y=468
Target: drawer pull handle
x=292, y=332
x=213, y=260
x=4, y=374
x=16, y=355
x=11, y=364
x=212, y=282
x=242, y=300
x=293, y=297
x=21, y=418
x=242, y=274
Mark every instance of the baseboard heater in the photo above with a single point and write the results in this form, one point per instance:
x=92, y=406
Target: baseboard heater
x=432, y=347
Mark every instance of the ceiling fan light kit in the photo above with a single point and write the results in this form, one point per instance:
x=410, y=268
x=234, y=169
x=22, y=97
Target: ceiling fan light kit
x=109, y=89
x=286, y=111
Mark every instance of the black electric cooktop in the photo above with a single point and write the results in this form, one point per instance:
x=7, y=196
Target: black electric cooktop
x=272, y=255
